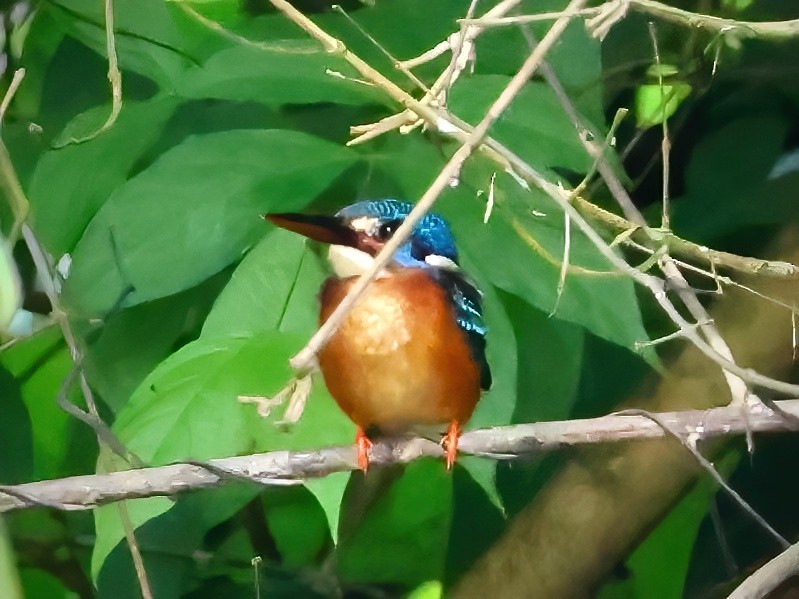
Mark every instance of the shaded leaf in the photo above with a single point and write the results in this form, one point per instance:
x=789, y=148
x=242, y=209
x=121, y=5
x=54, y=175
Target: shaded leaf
x=65, y=192
x=410, y=518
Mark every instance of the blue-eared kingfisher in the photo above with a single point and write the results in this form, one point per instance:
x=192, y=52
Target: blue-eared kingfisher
x=412, y=352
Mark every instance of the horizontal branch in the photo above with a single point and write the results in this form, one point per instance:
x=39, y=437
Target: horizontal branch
x=284, y=467
x=614, y=10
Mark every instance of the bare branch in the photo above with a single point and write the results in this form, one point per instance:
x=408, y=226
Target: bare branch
x=768, y=577
x=284, y=467
x=614, y=10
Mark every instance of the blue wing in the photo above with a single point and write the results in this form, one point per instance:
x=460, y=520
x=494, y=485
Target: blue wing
x=467, y=302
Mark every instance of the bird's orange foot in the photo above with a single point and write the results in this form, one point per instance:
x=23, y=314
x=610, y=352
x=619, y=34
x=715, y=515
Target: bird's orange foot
x=450, y=443
x=362, y=443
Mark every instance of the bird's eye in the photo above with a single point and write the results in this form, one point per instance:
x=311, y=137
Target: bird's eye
x=388, y=229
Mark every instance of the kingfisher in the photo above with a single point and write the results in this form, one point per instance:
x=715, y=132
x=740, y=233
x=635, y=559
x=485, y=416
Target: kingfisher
x=411, y=354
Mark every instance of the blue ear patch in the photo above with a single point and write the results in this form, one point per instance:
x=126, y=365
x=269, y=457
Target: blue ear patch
x=432, y=235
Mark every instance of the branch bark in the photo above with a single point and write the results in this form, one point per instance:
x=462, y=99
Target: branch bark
x=284, y=467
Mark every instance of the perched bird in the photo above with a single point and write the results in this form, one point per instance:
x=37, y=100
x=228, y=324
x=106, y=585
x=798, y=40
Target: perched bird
x=411, y=353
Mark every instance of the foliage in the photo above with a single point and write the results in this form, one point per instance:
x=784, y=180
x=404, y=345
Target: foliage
x=184, y=299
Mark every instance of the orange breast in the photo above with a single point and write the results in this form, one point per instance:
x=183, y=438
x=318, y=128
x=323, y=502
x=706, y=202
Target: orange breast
x=400, y=358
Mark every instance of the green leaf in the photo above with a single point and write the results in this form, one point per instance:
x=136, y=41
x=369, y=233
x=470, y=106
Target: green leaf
x=274, y=288
x=168, y=542
x=193, y=212
x=522, y=253
x=16, y=452
x=152, y=38
x=65, y=194
x=188, y=408
x=728, y=180
x=655, y=103
x=329, y=491
x=272, y=77
x=299, y=546
x=431, y=589
x=496, y=407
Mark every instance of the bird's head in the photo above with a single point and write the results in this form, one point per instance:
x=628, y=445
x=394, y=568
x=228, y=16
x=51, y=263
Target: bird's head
x=358, y=232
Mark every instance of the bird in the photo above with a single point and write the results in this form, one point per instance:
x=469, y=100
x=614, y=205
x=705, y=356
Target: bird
x=411, y=354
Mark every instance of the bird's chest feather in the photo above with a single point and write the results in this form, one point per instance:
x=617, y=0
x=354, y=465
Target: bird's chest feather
x=399, y=357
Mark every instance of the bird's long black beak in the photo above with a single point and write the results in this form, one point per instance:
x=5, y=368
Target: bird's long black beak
x=327, y=229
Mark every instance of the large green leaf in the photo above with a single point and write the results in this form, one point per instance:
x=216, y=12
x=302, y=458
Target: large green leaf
x=193, y=212
x=152, y=38
x=188, y=408
x=65, y=194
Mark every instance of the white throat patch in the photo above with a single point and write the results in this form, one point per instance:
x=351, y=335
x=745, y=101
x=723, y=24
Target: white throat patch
x=348, y=261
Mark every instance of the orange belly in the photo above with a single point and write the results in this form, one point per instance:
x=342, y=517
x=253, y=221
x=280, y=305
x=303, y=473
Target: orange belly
x=399, y=359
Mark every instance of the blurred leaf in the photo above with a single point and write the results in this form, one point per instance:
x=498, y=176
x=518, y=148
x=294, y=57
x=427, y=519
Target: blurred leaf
x=299, y=546
x=410, y=518
x=726, y=178
x=10, y=288
x=654, y=104
x=65, y=194
x=274, y=76
x=427, y=590
x=535, y=125
x=10, y=587
x=193, y=212
x=477, y=522
x=274, y=288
